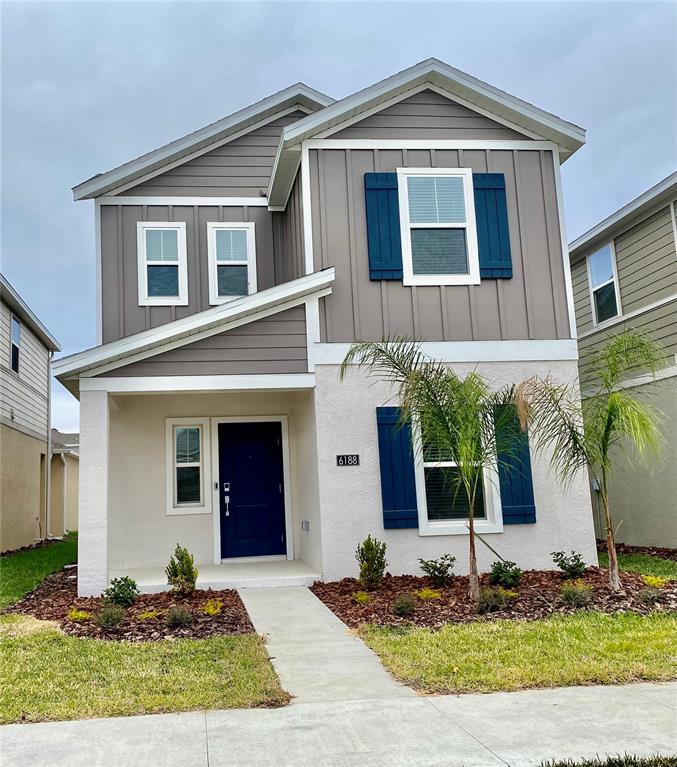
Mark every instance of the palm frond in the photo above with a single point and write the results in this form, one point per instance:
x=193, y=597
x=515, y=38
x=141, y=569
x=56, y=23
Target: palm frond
x=623, y=353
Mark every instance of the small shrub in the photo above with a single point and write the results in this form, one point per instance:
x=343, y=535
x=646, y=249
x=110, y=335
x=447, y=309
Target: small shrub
x=505, y=574
x=649, y=595
x=572, y=566
x=122, y=591
x=427, y=593
x=148, y=615
x=181, y=572
x=655, y=581
x=110, y=616
x=79, y=616
x=440, y=571
x=371, y=556
x=178, y=617
x=361, y=597
x=494, y=598
x=404, y=605
x=212, y=607
x=576, y=593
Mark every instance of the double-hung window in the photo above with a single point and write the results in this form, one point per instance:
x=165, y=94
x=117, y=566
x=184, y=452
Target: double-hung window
x=15, y=343
x=437, y=222
x=187, y=462
x=603, y=284
x=162, y=270
x=231, y=250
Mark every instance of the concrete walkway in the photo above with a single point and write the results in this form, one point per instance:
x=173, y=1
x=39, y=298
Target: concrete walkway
x=315, y=655
x=519, y=729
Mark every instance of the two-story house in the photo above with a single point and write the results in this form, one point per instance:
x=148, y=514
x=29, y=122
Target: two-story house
x=26, y=347
x=235, y=267
x=624, y=273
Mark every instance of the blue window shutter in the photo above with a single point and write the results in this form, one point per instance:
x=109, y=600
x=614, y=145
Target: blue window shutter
x=384, y=241
x=493, y=235
x=398, y=485
x=514, y=475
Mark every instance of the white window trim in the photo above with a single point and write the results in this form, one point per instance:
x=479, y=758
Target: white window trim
x=212, y=228
x=144, y=298
x=614, y=279
x=409, y=278
x=205, y=507
x=492, y=500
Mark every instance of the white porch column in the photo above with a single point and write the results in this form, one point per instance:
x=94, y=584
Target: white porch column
x=93, y=517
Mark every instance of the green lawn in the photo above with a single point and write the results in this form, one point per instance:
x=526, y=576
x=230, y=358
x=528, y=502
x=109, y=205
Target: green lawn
x=618, y=761
x=45, y=675
x=22, y=572
x=586, y=648
x=643, y=564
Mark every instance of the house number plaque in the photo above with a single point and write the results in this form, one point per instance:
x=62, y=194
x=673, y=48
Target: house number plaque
x=348, y=460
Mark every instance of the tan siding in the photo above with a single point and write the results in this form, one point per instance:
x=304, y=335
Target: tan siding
x=240, y=168
x=427, y=115
x=530, y=305
x=276, y=344
x=581, y=290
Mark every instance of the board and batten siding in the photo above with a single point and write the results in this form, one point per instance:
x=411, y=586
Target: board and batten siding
x=531, y=305
x=289, y=251
x=427, y=115
x=275, y=344
x=240, y=168
x=23, y=398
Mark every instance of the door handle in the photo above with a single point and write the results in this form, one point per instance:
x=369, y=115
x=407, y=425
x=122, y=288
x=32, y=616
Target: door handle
x=226, y=500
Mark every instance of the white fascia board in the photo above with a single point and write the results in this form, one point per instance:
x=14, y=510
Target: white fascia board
x=215, y=383
x=18, y=306
x=233, y=202
x=240, y=310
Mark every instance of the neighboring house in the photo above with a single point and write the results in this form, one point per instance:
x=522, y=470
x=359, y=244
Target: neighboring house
x=235, y=267
x=26, y=347
x=65, y=480
x=625, y=276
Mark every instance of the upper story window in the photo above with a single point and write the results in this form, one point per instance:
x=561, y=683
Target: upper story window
x=603, y=284
x=161, y=251
x=231, y=250
x=437, y=221
x=15, y=343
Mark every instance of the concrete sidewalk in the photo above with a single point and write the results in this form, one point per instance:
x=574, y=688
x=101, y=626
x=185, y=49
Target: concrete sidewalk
x=519, y=729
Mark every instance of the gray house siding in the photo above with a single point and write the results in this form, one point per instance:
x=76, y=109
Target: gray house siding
x=240, y=168
x=427, y=115
x=531, y=305
x=288, y=236
x=275, y=344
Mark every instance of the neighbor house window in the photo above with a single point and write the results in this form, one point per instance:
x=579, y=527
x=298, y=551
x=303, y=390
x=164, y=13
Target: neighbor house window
x=163, y=278
x=15, y=343
x=603, y=284
x=437, y=221
x=231, y=249
x=187, y=462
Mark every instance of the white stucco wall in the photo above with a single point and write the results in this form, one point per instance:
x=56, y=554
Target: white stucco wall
x=350, y=498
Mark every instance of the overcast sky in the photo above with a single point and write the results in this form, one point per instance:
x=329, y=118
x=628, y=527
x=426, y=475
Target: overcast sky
x=87, y=86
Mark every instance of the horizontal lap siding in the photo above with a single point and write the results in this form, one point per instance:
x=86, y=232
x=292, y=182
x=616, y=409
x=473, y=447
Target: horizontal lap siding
x=427, y=115
x=581, y=289
x=240, y=168
x=276, y=344
x=532, y=305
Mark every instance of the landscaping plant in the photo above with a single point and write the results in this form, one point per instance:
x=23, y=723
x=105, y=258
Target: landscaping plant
x=371, y=557
x=576, y=593
x=79, y=616
x=178, y=617
x=110, y=616
x=122, y=591
x=589, y=437
x=181, y=572
x=426, y=593
x=459, y=419
x=493, y=598
x=404, y=605
x=440, y=571
x=505, y=573
x=212, y=607
x=572, y=566
x=361, y=597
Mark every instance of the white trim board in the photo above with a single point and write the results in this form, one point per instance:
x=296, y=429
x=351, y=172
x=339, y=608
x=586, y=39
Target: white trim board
x=185, y=384
x=233, y=202
x=641, y=380
x=400, y=143
x=628, y=316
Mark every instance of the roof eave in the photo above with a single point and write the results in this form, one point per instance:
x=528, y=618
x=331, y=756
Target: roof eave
x=26, y=315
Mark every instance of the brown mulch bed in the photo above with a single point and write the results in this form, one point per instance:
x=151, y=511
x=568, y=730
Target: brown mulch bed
x=652, y=551
x=538, y=597
x=57, y=594
x=43, y=544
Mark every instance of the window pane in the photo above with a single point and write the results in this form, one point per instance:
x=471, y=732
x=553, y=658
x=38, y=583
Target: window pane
x=445, y=499
x=163, y=280
x=232, y=280
x=187, y=441
x=436, y=200
x=231, y=245
x=16, y=331
x=439, y=251
x=605, y=302
x=601, y=267
x=162, y=245
x=188, y=484
x=15, y=358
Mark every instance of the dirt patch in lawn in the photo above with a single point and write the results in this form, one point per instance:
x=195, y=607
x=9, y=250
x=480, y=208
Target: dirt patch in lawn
x=538, y=596
x=144, y=621
x=652, y=551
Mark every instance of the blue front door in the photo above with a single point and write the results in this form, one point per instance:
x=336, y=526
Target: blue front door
x=251, y=489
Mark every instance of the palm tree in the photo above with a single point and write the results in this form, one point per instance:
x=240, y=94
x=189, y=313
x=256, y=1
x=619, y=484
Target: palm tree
x=459, y=420
x=590, y=437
